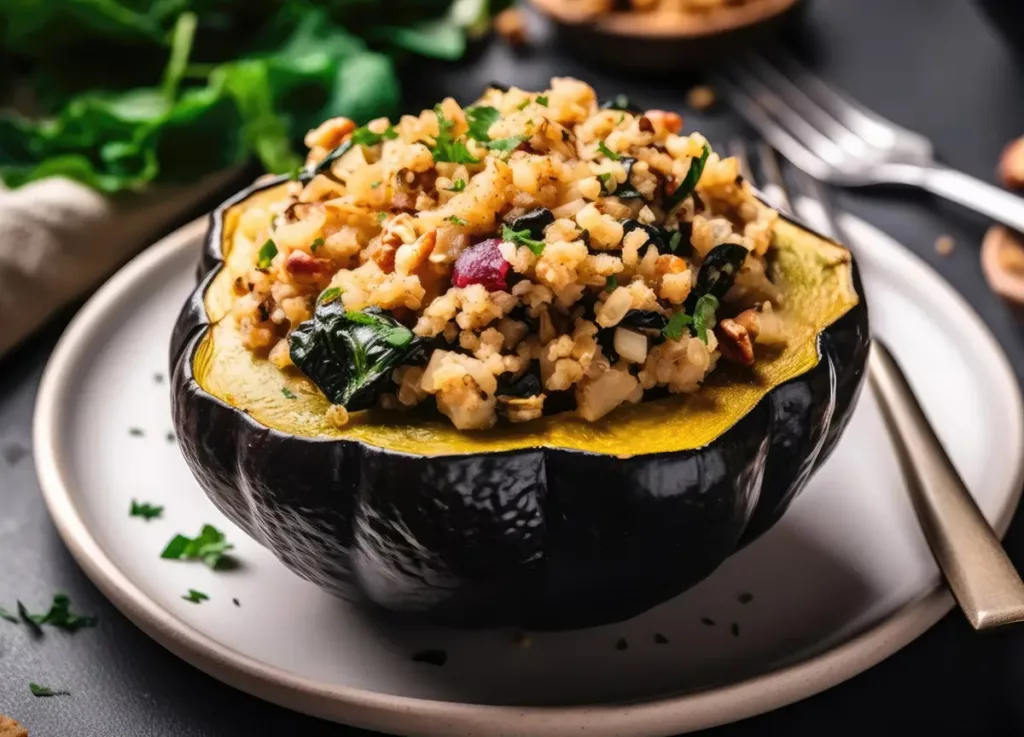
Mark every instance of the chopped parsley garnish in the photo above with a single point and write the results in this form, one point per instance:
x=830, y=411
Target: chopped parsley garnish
x=622, y=117
x=506, y=144
x=611, y=283
x=210, y=547
x=456, y=220
x=145, y=510
x=41, y=691
x=398, y=336
x=59, y=616
x=607, y=182
x=136, y=432
x=457, y=186
x=675, y=240
x=607, y=151
x=480, y=119
x=4, y=614
x=523, y=104
x=365, y=137
x=522, y=238
x=446, y=146
x=288, y=393
x=381, y=217
x=360, y=317
x=676, y=324
x=328, y=295
x=195, y=596
x=374, y=185
x=317, y=242
x=542, y=100
x=266, y=254
x=704, y=315
x=689, y=181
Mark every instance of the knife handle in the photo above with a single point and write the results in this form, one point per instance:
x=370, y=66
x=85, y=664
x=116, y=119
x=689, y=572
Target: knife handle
x=983, y=580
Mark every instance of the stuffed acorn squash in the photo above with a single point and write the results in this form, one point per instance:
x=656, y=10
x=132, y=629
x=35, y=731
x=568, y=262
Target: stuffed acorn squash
x=539, y=362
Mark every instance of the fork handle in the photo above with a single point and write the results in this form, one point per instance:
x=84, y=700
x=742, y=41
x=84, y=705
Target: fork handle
x=976, y=195
x=982, y=578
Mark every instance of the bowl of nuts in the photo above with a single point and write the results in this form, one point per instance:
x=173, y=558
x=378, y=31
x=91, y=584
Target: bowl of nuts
x=662, y=35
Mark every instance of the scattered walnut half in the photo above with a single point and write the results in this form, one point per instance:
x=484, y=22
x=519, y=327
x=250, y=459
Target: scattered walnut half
x=1011, y=164
x=1002, y=262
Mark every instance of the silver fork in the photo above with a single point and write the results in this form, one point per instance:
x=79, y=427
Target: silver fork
x=967, y=550
x=834, y=139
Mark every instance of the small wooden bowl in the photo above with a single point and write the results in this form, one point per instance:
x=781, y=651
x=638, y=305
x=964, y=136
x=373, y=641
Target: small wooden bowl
x=653, y=42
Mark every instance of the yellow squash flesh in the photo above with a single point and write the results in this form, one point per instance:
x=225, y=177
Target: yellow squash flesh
x=815, y=278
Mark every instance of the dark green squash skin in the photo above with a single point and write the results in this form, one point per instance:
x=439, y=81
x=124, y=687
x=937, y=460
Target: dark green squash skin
x=537, y=538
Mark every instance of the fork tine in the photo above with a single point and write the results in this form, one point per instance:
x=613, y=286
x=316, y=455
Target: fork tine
x=774, y=185
x=870, y=126
x=808, y=135
x=773, y=133
x=796, y=98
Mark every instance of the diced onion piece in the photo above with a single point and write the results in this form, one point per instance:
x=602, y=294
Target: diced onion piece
x=596, y=398
x=632, y=346
x=569, y=209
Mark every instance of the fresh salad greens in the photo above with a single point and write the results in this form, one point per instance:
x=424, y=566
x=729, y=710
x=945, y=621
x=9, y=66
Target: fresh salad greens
x=121, y=93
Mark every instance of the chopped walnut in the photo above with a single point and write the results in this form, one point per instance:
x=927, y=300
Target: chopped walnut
x=701, y=98
x=735, y=343
x=330, y=133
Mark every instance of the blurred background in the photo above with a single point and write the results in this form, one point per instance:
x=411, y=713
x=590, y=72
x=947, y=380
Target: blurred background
x=124, y=119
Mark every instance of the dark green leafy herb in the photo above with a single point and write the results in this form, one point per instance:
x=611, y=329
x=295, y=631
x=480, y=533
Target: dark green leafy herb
x=676, y=324
x=365, y=137
x=522, y=238
x=4, y=614
x=317, y=242
x=457, y=186
x=329, y=295
x=620, y=102
x=675, y=240
x=689, y=181
x=374, y=185
x=603, y=148
x=542, y=100
x=446, y=146
x=507, y=144
x=381, y=217
x=480, y=119
x=349, y=355
x=266, y=254
x=145, y=510
x=288, y=393
x=59, y=616
x=209, y=547
x=456, y=220
x=195, y=597
x=611, y=283
x=45, y=691
x=704, y=315
x=227, y=81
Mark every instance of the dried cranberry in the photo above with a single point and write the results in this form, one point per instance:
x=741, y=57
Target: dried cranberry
x=482, y=264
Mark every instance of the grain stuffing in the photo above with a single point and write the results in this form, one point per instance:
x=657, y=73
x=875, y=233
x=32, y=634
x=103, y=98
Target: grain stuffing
x=532, y=253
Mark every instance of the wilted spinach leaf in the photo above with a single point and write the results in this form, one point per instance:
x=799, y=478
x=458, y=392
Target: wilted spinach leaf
x=718, y=271
x=349, y=355
x=689, y=181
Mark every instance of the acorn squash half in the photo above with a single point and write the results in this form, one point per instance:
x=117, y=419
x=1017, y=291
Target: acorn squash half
x=552, y=524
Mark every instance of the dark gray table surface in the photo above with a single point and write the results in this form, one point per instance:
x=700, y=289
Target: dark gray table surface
x=937, y=66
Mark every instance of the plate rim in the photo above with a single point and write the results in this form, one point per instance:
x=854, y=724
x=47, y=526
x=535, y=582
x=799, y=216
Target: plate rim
x=664, y=715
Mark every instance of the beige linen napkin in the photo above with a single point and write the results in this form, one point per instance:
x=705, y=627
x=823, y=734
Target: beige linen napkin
x=59, y=239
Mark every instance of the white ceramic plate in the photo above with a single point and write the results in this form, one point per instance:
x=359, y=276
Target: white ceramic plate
x=842, y=582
